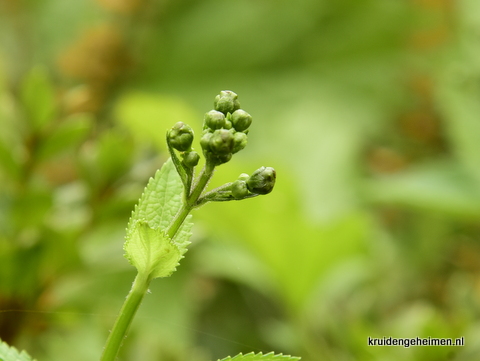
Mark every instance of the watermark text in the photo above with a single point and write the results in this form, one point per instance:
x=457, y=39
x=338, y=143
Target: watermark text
x=415, y=341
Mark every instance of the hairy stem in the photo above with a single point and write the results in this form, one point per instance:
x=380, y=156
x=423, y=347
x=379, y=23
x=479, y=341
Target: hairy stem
x=124, y=319
x=191, y=200
x=204, y=177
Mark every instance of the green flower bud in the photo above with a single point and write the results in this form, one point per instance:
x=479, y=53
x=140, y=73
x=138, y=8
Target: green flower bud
x=190, y=159
x=262, y=180
x=180, y=137
x=243, y=176
x=205, y=141
x=221, y=142
x=239, y=189
x=214, y=120
x=241, y=120
x=226, y=102
x=239, y=141
x=223, y=158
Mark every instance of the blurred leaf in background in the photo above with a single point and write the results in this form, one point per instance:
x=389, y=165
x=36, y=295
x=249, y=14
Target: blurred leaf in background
x=367, y=109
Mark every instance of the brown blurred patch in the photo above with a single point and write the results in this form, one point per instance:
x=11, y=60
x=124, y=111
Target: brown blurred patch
x=434, y=4
x=422, y=86
x=420, y=125
x=436, y=35
x=100, y=56
x=467, y=255
x=101, y=60
x=10, y=6
x=12, y=318
x=83, y=99
x=59, y=170
x=386, y=160
x=122, y=6
x=391, y=216
x=429, y=38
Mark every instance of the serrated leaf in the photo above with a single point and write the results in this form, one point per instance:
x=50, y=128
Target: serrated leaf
x=8, y=353
x=261, y=357
x=161, y=201
x=151, y=252
x=147, y=246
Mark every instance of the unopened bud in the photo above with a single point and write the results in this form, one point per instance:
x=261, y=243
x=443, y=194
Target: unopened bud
x=239, y=189
x=223, y=158
x=241, y=120
x=191, y=159
x=221, y=142
x=180, y=137
x=226, y=102
x=214, y=119
x=205, y=141
x=262, y=180
x=239, y=141
x=243, y=176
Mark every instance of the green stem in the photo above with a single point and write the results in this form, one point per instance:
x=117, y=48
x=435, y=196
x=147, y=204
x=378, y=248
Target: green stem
x=191, y=200
x=124, y=319
x=178, y=220
x=204, y=177
x=141, y=283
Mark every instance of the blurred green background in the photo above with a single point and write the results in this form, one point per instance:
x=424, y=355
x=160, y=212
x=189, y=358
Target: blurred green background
x=369, y=110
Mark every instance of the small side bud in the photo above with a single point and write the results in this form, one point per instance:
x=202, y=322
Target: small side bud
x=228, y=124
x=221, y=142
x=180, y=137
x=214, y=119
x=226, y=102
x=239, y=189
x=205, y=141
x=262, y=180
x=241, y=120
x=191, y=159
x=243, y=176
x=239, y=141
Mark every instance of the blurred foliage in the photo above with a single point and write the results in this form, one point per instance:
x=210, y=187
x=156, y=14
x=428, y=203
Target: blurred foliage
x=369, y=111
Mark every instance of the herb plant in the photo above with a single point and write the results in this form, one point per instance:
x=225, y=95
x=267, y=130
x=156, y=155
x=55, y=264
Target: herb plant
x=158, y=231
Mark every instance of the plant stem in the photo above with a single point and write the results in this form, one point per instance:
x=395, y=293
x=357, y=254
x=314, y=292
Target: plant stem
x=191, y=200
x=141, y=283
x=204, y=177
x=178, y=220
x=124, y=319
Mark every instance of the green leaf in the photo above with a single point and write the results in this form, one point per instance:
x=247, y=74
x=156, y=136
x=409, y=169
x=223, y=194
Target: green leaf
x=147, y=247
x=441, y=187
x=106, y=159
x=261, y=357
x=161, y=201
x=8, y=162
x=151, y=252
x=8, y=353
x=38, y=97
x=67, y=135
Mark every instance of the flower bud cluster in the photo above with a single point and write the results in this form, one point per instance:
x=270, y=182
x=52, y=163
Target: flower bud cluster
x=225, y=128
